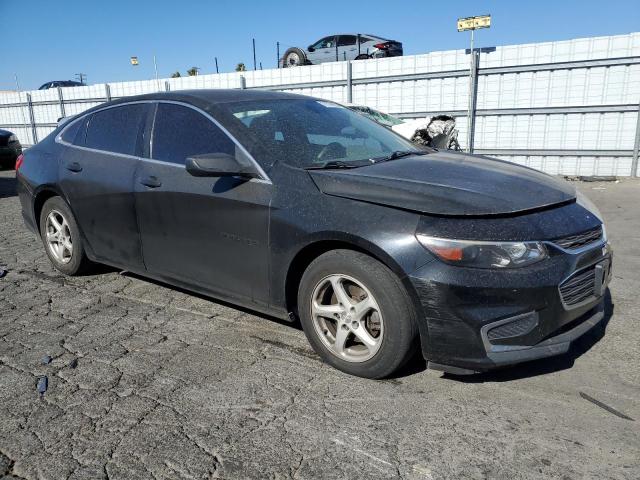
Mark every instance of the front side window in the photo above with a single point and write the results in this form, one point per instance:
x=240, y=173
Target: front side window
x=116, y=129
x=327, y=42
x=305, y=132
x=180, y=132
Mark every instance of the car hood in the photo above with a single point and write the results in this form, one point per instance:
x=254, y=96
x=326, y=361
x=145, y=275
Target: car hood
x=449, y=184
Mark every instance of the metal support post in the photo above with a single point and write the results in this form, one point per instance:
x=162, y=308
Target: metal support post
x=61, y=102
x=34, y=132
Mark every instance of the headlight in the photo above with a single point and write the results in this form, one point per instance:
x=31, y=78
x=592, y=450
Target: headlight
x=479, y=254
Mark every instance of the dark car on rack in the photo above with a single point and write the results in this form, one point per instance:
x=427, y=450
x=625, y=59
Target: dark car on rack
x=10, y=149
x=61, y=83
x=303, y=209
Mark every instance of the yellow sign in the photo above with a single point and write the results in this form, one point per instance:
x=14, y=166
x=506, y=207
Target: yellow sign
x=473, y=23
x=134, y=60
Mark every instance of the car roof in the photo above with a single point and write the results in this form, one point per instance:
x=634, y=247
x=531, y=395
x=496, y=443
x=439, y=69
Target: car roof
x=202, y=98
x=214, y=96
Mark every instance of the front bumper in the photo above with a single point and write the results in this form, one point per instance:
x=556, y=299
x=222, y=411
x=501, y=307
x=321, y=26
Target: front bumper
x=477, y=320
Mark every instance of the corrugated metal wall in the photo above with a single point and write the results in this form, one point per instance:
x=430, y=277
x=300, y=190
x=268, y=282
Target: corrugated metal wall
x=568, y=107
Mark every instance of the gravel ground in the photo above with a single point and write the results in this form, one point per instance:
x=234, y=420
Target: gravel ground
x=147, y=381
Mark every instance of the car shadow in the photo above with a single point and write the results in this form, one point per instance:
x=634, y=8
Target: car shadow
x=8, y=187
x=546, y=365
x=296, y=325
x=417, y=364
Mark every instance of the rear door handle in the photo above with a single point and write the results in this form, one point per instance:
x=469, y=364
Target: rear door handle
x=74, y=167
x=151, y=182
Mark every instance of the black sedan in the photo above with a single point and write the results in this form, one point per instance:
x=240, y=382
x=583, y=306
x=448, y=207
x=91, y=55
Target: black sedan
x=303, y=209
x=10, y=149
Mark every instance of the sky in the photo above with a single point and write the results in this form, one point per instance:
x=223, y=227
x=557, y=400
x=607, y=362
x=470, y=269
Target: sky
x=44, y=40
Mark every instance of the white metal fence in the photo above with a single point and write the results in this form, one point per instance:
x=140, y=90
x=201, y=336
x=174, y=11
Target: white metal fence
x=569, y=107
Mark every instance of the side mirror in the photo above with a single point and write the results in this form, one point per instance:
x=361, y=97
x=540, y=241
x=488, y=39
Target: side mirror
x=311, y=49
x=217, y=165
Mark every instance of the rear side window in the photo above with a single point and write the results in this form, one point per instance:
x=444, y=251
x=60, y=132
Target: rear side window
x=346, y=40
x=180, y=132
x=116, y=129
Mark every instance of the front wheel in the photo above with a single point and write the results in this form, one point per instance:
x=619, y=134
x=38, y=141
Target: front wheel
x=356, y=314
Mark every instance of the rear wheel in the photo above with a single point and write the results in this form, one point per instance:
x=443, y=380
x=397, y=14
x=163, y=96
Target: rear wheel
x=61, y=237
x=294, y=57
x=356, y=314
x=363, y=56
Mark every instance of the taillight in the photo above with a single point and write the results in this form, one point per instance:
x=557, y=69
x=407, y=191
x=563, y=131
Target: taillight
x=19, y=161
x=381, y=46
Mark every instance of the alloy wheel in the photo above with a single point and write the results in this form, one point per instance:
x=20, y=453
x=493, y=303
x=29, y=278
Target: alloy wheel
x=347, y=318
x=58, y=237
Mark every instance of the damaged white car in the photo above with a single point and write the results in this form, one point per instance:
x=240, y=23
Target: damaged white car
x=438, y=132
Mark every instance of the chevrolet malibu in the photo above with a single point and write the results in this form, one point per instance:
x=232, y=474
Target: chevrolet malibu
x=302, y=209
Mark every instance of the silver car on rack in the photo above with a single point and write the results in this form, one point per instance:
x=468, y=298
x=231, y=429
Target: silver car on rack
x=348, y=46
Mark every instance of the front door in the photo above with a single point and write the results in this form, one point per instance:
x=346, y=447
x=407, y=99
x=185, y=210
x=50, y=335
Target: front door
x=96, y=175
x=209, y=232
x=324, y=50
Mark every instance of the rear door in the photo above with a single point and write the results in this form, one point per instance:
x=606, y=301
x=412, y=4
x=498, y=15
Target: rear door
x=96, y=175
x=210, y=232
x=347, y=47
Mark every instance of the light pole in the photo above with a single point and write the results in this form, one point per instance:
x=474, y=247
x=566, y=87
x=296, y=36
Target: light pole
x=155, y=68
x=464, y=24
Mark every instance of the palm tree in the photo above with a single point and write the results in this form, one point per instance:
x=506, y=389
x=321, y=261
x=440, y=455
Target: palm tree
x=193, y=71
x=176, y=74
x=240, y=67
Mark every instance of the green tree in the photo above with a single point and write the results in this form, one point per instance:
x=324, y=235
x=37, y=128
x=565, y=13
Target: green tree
x=176, y=74
x=193, y=71
x=240, y=67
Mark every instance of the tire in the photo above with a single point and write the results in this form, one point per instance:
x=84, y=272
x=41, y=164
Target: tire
x=69, y=257
x=362, y=56
x=387, y=323
x=294, y=57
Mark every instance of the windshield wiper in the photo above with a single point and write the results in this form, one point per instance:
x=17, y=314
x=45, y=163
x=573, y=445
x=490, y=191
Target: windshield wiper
x=398, y=154
x=332, y=164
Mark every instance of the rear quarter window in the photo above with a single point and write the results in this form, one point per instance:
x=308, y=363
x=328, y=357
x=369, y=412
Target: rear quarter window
x=75, y=132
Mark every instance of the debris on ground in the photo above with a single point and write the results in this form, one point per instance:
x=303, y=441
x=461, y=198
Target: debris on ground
x=73, y=363
x=43, y=384
x=3, y=272
x=46, y=360
x=606, y=407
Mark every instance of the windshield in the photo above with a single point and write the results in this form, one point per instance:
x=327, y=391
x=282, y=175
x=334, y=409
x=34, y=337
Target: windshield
x=307, y=133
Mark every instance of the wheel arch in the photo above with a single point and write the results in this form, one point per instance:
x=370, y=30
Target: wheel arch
x=43, y=194
x=303, y=258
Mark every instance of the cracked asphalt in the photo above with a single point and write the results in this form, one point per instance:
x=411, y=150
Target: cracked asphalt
x=148, y=381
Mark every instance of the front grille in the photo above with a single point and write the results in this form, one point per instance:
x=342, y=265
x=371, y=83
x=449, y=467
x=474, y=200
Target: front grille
x=579, y=287
x=579, y=240
x=516, y=328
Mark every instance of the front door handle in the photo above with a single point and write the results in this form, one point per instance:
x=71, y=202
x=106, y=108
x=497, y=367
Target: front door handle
x=151, y=182
x=74, y=167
